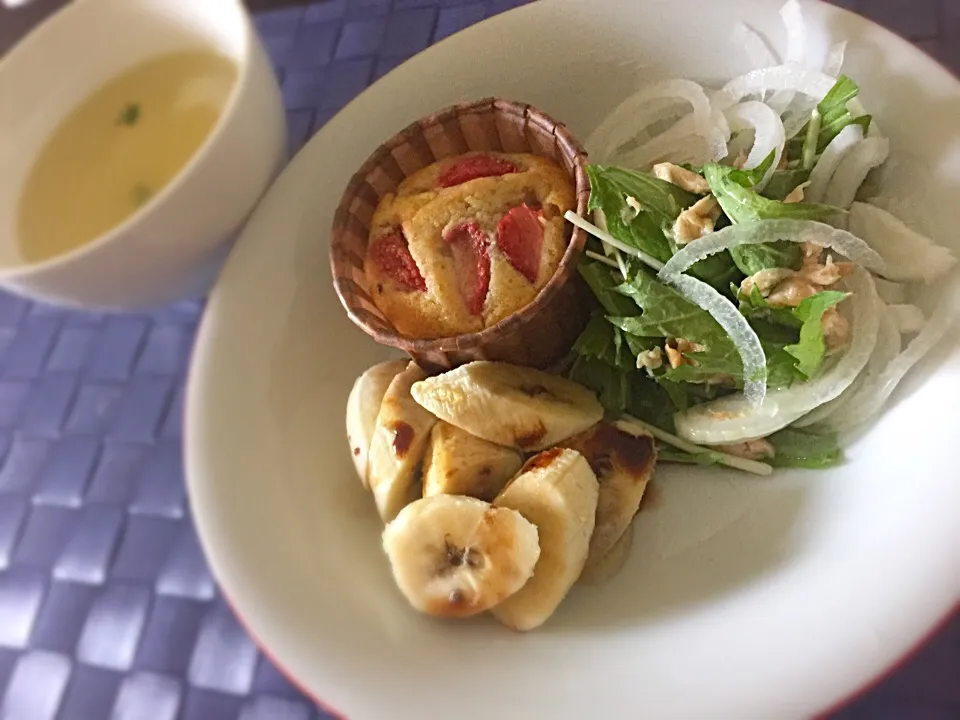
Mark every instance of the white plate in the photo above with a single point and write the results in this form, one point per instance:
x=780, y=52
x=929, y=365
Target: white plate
x=743, y=598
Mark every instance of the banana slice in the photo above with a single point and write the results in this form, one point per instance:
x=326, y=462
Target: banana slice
x=623, y=463
x=510, y=405
x=456, y=556
x=457, y=463
x=556, y=491
x=398, y=445
x=609, y=566
x=363, y=407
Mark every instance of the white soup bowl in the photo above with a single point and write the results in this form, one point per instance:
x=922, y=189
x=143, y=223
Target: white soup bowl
x=173, y=247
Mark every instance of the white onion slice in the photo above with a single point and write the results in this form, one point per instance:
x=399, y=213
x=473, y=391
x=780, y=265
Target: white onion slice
x=768, y=134
x=852, y=171
x=812, y=83
x=718, y=135
x=831, y=158
x=835, y=58
x=693, y=149
x=892, y=293
x=909, y=256
x=791, y=14
x=889, y=340
x=909, y=318
x=877, y=391
x=677, y=145
x=822, y=414
x=763, y=231
x=887, y=348
x=733, y=419
x=684, y=142
x=641, y=110
x=758, y=52
x=736, y=326
x=797, y=119
x=857, y=110
x=738, y=147
x=693, y=138
x=799, y=112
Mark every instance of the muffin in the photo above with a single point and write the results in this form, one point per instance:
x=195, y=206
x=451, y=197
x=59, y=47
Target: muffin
x=431, y=247
x=467, y=241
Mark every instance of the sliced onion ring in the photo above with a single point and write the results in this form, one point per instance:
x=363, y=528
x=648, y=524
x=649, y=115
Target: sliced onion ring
x=910, y=256
x=641, y=110
x=892, y=293
x=853, y=169
x=694, y=138
x=875, y=393
x=768, y=130
x=791, y=14
x=685, y=141
x=735, y=325
x=831, y=158
x=834, y=62
x=799, y=112
x=763, y=231
x=887, y=348
x=733, y=419
x=756, y=48
x=812, y=83
x=909, y=318
x=857, y=110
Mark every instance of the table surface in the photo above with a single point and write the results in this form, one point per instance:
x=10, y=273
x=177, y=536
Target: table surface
x=107, y=608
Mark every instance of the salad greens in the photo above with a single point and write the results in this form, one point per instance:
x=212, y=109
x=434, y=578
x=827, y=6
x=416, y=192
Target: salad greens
x=834, y=115
x=796, y=447
x=810, y=348
x=741, y=203
x=650, y=352
x=784, y=182
x=640, y=210
x=724, y=324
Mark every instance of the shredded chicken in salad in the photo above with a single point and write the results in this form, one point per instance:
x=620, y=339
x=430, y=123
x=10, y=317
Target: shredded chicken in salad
x=751, y=310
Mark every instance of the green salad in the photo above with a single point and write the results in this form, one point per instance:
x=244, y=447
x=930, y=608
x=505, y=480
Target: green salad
x=749, y=311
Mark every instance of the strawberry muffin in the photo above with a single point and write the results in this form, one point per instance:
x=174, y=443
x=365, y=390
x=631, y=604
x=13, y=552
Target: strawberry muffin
x=467, y=241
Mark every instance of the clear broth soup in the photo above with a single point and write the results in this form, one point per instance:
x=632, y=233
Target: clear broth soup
x=119, y=148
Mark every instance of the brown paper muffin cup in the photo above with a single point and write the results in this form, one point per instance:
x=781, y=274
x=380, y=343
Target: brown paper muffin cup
x=536, y=335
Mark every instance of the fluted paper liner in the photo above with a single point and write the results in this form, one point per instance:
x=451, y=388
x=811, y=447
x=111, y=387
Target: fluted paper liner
x=538, y=334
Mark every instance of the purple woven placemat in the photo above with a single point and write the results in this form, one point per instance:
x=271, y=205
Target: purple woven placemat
x=107, y=608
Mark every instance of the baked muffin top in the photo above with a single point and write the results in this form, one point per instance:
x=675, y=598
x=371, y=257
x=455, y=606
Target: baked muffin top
x=467, y=241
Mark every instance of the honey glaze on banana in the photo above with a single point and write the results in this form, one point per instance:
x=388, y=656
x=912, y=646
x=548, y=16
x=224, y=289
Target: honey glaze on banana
x=403, y=437
x=492, y=532
x=542, y=460
x=608, y=444
x=530, y=438
x=623, y=463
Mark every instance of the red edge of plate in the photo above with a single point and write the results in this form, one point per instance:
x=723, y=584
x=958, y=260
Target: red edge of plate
x=951, y=614
x=894, y=668
x=280, y=668
x=852, y=697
